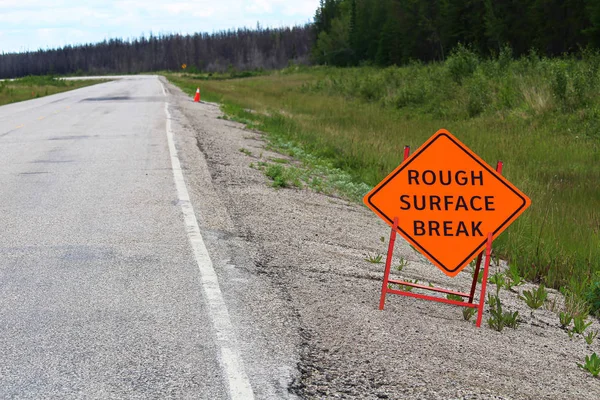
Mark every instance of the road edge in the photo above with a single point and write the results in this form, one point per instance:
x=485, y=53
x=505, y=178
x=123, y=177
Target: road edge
x=231, y=361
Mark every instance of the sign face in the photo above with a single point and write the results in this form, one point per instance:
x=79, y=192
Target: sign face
x=447, y=200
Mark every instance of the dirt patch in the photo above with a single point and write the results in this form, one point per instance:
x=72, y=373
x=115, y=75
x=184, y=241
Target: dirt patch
x=311, y=248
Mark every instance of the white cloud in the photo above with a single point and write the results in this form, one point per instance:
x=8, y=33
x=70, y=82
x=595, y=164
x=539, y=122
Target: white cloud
x=307, y=8
x=33, y=24
x=259, y=6
x=286, y=7
x=178, y=8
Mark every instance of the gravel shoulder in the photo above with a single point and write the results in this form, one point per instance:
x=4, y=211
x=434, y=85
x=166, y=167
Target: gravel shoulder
x=292, y=267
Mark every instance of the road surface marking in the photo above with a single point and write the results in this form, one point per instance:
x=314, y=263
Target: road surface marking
x=231, y=363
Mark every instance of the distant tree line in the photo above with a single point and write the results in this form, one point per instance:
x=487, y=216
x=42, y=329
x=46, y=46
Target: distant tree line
x=387, y=32
x=242, y=49
x=344, y=33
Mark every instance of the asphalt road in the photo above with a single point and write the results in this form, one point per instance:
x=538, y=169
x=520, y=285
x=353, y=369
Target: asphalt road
x=101, y=294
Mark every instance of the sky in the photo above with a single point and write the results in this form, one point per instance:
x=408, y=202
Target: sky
x=34, y=24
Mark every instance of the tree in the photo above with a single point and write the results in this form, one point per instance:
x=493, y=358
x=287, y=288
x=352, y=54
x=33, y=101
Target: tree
x=242, y=49
x=592, y=32
x=333, y=47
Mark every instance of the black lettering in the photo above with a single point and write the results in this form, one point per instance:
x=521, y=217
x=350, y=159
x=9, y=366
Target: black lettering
x=447, y=202
x=473, y=206
x=434, y=201
x=461, y=203
x=434, y=226
x=416, y=201
x=489, y=203
x=461, y=178
x=449, y=178
x=413, y=175
x=462, y=229
x=478, y=177
x=404, y=199
x=432, y=180
x=475, y=228
x=419, y=228
x=448, y=228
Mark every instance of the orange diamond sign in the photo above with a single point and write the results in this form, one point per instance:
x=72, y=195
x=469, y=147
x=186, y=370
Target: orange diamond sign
x=447, y=200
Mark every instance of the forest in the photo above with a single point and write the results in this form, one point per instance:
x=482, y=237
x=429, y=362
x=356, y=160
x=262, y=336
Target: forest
x=344, y=33
x=396, y=32
x=242, y=49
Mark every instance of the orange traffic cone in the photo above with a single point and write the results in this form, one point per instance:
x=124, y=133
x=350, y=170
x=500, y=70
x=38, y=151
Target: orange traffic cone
x=197, y=96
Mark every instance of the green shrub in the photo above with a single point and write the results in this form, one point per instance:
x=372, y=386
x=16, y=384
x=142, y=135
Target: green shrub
x=589, y=338
x=505, y=57
x=559, y=82
x=278, y=174
x=455, y=297
x=462, y=63
x=535, y=298
x=468, y=313
x=565, y=319
x=500, y=318
x=477, y=95
x=592, y=364
x=407, y=96
x=592, y=295
x=579, y=325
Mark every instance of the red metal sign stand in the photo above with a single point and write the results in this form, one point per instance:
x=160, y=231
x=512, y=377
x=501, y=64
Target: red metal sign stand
x=385, y=289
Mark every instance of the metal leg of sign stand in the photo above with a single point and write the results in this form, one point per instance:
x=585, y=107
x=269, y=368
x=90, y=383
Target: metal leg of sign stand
x=388, y=264
x=387, y=282
x=475, y=276
x=486, y=270
x=499, y=166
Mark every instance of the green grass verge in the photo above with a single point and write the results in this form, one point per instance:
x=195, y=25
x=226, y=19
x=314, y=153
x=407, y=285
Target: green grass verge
x=540, y=116
x=32, y=87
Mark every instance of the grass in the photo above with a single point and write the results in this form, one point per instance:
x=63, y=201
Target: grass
x=592, y=364
x=500, y=319
x=468, y=313
x=535, y=298
x=32, y=87
x=374, y=258
x=540, y=116
x=589, y=338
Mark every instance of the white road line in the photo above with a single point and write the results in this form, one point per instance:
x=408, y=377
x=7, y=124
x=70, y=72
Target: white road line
x=231, y=363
